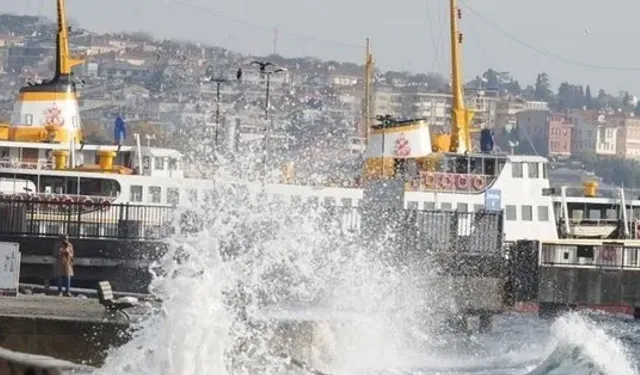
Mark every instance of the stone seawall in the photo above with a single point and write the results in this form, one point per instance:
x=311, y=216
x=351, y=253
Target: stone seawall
x=71, y=340
x=16, y=363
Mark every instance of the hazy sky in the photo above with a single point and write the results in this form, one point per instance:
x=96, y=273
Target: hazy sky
x=406, y=34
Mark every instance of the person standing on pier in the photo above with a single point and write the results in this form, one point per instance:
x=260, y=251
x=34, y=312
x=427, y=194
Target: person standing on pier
x=64, y=265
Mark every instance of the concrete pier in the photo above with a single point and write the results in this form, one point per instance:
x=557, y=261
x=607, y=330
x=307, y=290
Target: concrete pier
x=72, y=329
x=16, y=363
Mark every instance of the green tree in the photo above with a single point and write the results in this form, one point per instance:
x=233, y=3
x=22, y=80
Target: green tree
x=543, y=88
x=588, y=100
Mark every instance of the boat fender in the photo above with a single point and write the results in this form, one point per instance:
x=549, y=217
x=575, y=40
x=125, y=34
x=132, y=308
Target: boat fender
x=478, y=182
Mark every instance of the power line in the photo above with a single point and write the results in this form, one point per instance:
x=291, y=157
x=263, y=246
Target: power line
x=208, y=12
x=541, y=51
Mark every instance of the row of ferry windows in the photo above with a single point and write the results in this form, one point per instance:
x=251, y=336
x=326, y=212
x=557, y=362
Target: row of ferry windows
x=511, y=211
x=533, y=169
x=28, y=120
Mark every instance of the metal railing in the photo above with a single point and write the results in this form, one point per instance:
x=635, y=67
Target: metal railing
x=606, y=255
x=90, y=219
x=429, y=230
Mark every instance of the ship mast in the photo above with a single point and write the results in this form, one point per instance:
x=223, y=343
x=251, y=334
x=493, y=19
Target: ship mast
x=64, y=62
x=368, y=68
x=460, y=116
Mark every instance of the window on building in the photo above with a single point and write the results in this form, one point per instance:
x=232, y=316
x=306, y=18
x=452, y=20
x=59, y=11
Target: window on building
x=158, y=164
x=173, y=196
x=527, y=213
x=516, y=169
x=510, y=213
x=533, y=170
x=543, y=213
x=136, y=193
x=192, y=195
x=156, y=194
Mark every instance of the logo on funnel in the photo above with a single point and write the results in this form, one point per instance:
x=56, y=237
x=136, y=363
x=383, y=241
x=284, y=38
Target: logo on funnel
x=53, y=116
x=402, y=147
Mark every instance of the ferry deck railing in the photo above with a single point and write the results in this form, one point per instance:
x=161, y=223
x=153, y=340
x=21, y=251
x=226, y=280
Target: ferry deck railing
x=606, y=255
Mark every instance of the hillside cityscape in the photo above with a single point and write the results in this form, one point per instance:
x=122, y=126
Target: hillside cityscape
x=315, y=107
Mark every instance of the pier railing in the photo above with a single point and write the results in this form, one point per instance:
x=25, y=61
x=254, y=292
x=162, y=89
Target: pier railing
x=434, y=231
x=85, y=219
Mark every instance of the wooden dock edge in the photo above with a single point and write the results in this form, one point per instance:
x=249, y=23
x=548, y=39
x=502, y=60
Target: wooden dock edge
x=23, y=363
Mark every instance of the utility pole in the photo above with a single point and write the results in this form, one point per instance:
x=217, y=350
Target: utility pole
x=267, y=74
x=275, y=40
x=368, y=68
x=218, y=81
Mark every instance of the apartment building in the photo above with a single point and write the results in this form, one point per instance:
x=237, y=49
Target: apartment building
x=593, y=133
x=628, y=142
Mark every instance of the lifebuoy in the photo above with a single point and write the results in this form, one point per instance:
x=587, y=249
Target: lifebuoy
x=87, y=203
x=429, y=180
x=445, y=181
x=67, y=200
x=104, y=204
x=478, y=183
x=462, y=182
x=609, y=253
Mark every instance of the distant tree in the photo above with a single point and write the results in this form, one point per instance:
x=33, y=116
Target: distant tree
x=543, y=88
x=588, y=100
x=529, y=93
x=94, y=132
x=637, y=109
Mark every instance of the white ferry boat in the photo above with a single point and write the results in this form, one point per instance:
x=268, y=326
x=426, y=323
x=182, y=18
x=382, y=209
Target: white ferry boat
x=43, y=157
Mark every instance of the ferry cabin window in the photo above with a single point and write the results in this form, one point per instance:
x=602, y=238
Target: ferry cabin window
x=462, y=207
x=173, y=196
x=632, y=256
x=584, y=251
x=158, y=164
x=430, y=206
x=478, y=207
x=516, y=170
x=412, y=205
x=543, y=213
x=533, y=170
x=544, y=171
x=527, y=213
x=346, y=202
x=489, y=166
x=445, y=206
x=28, y=119
x=136, y=193
x=192, y=195
x=329, y=201
x=510, y=212
x=156, y=194
x=173, y=164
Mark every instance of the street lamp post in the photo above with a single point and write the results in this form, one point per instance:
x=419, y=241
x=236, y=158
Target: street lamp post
x=218, y=81
x=266, y=73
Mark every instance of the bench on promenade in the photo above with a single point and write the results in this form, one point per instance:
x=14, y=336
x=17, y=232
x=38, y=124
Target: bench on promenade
x=105, y=296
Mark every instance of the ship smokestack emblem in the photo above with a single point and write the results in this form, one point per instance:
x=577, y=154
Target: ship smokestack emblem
x=402, y=146
x=53, y=116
